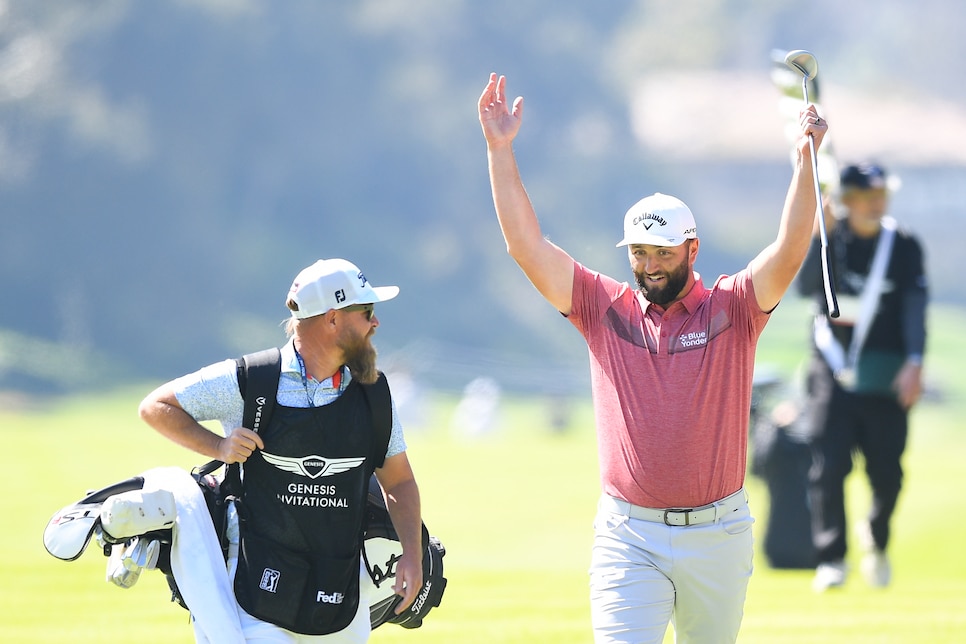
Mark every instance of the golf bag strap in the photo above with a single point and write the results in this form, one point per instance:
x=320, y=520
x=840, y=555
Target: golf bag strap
x=258, y=375
x=872, y=292
x=380, y=403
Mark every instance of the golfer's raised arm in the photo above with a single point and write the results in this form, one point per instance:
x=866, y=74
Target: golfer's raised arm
x=776, y=266
x=548, y=267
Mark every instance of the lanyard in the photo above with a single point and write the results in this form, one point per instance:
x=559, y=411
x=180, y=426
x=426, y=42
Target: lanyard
x=336, y=379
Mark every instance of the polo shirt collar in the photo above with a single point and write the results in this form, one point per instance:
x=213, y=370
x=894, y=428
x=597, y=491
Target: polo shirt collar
x=290, y=363
x=690, y=301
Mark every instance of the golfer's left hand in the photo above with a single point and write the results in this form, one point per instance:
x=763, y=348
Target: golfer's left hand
x=409, y=578
x=813, y=124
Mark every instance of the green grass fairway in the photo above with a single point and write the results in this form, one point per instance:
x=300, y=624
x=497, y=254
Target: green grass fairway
x=513, y=509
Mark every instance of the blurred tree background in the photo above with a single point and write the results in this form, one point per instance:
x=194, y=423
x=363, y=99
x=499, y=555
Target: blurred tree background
x=168, y=166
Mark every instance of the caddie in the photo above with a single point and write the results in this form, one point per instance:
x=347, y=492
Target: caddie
x=296, y=533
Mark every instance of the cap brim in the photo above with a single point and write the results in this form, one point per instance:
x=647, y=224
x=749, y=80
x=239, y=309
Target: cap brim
x=378, y=294
x=653, y=240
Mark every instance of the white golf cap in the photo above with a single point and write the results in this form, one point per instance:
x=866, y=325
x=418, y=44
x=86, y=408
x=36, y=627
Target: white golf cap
x=658, y=220
x=334, y=284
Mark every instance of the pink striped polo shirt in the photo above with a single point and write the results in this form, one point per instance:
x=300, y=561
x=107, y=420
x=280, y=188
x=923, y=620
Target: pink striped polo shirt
x=671, y=389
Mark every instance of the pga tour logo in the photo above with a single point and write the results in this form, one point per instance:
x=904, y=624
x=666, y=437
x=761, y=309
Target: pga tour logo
x=269, y=580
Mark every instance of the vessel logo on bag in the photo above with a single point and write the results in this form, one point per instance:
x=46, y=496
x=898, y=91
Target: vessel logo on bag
x=269, y=580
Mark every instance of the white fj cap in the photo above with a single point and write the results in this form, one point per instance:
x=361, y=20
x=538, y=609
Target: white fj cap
x=658, y=220
x=334, y=284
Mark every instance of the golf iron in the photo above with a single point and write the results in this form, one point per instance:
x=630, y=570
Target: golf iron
x=805, y=64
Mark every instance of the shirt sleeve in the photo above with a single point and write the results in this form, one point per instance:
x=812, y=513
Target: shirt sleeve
x=211, y=394
x=745, y=300
x=397, y=442
x=915, y=297
x=592, y=295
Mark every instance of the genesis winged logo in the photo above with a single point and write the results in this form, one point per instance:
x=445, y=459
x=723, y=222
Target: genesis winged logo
x=313, y=466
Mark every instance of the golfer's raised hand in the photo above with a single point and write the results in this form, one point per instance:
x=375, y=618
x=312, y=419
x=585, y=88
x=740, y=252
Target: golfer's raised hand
x=812, y=124
x=237, y=446
x=500, y=122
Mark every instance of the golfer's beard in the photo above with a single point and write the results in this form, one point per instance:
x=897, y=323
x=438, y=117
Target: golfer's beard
x=663, y=295
x=360, y=357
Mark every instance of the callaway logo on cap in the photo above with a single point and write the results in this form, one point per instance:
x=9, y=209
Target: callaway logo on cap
x=658, y=220
x=334, y=284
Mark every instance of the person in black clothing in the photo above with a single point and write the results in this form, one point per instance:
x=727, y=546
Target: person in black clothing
x=866, y=369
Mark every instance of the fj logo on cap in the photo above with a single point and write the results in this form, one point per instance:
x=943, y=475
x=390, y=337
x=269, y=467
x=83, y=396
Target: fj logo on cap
x=340, y=296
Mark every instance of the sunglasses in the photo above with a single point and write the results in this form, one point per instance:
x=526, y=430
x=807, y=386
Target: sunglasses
x=368, y=309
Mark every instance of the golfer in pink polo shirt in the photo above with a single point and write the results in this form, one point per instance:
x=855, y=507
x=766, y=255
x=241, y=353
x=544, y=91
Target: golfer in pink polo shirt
x=671, y=365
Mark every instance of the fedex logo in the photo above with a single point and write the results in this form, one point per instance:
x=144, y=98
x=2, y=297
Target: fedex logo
x=335, y=598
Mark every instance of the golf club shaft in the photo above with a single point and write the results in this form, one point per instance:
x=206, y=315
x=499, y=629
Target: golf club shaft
x=830, y=299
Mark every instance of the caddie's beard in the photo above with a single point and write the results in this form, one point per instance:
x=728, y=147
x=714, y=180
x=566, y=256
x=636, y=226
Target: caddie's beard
x=360, y=357
x=673, y=285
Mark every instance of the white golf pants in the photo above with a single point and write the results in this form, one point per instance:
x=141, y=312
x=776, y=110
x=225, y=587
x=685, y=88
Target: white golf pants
x=644, y=575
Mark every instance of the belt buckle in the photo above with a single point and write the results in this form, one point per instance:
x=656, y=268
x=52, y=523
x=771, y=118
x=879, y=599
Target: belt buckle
x=686, y=512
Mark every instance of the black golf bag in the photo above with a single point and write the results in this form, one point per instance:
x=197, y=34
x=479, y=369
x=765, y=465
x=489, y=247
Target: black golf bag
x=782, y=457
x=70, y=530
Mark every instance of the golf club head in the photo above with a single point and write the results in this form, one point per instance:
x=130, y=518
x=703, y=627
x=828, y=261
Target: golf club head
x=802, y=61
x=70, y=530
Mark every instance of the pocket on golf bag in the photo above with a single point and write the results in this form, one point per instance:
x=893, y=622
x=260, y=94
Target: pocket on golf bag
x=310, y=596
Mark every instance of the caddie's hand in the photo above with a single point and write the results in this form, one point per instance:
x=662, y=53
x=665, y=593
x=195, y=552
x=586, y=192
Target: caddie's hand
x=237, y=446
x=813, y=124
x=908, y=384
x=409, y=579
x=500, y=123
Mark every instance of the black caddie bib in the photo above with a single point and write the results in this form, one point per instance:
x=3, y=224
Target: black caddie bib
x=302, y=515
